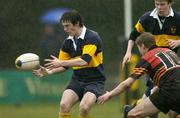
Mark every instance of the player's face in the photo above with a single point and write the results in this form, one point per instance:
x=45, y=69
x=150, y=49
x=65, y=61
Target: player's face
x=163, y=7
x=71, y=29
x=142, y=49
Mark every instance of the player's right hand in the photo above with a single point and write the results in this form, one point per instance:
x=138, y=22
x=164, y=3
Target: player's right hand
x=52, y=63
x=41, y=72
x=126, y=59
x=102, y=99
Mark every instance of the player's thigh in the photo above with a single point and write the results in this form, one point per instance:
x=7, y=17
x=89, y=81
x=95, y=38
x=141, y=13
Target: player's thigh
x=69, y=97
x=172, y=114
x=144, y=108
x=178, y=116
x=88, y=99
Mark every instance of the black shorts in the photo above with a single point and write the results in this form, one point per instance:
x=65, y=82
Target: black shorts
x=149, y=85
x=168, y=96
x=80, y=88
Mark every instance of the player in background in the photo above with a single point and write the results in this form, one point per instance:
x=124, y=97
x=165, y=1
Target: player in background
x=82, y=51
x=163, y=66
x=163, y=23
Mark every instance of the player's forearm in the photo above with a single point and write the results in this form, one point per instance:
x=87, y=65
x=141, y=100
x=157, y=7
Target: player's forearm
x=74, y=62
x=122, y=87
x=130, y=46
x=56, y=70
x=118, y=90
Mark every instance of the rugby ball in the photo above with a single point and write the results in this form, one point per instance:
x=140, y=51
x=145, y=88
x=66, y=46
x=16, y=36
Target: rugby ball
x=27, y=61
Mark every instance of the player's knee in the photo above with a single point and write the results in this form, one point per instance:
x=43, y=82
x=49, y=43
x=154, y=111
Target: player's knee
x=131, y=117
x=83, y=108
x=135, y=114
x=64, y=108
x=131, y=114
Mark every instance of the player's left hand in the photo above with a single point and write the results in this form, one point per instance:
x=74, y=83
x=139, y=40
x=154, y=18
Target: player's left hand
x=52, y=63
x=173, y=43
x=102, y=99
x=41, y=72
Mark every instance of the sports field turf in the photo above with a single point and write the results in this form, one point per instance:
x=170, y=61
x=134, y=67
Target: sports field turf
x=111, y=109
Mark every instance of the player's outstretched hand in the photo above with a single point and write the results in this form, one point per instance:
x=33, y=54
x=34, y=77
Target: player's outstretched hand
x=41, y=72
x=126, y=59
x=102, y=99
x=52, y=63
x=173, y=43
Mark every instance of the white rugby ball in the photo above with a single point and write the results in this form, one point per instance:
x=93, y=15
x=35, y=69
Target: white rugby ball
x=27, y=61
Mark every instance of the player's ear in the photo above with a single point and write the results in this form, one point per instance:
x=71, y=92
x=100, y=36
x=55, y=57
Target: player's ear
x=77, y=24
x=143, y=46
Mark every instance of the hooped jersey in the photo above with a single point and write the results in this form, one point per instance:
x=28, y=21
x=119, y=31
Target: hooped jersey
x=88, y=48
x=158, y=63
x=169, y=29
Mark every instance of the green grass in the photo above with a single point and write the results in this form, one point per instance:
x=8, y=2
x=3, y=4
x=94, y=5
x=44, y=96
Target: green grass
x=111, y=109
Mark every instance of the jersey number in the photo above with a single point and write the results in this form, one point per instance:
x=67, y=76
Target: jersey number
x=169, y=59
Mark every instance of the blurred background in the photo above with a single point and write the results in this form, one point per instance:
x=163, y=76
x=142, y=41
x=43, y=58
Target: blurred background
x=32, y=26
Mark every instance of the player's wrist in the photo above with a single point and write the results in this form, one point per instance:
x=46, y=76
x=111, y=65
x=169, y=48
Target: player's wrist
x=49, y=72
x=109, y=94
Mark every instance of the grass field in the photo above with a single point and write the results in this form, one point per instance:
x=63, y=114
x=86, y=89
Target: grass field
x=109, y=110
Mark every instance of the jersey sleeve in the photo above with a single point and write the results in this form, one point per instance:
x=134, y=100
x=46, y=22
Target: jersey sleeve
x=134, y=34
x=63, y=54
x=140, y=26
x=90, y=48
x=140, y=69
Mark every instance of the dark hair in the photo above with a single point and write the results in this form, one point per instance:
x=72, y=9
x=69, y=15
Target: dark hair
x=169, y=1
x=147, y=39
x=72, y=16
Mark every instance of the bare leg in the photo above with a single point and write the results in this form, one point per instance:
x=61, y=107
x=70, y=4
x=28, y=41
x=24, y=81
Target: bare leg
x=69, y=98
x=172, y=114
x=86, y=103
x=145, y=108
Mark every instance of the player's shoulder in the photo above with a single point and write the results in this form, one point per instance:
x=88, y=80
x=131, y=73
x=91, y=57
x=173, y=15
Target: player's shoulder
x=67, y=42
x=146, y=16
x=91, y=34
x=176, y=14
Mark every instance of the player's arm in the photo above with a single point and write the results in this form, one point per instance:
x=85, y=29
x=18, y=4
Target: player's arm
x=122, y=86
x=42, y=71
x=118, y=90
x=137, y=30
x=64, y=60
x=138, y=71
x=127, y=56
x=88, y=51
x=73, y=62
x=56, y=63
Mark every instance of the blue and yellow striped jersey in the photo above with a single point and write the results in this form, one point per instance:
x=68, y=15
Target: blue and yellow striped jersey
x=88, y=47
x=163, y=31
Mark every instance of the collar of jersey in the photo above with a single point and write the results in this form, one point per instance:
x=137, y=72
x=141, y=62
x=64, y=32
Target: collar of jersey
x=154, y=13
x=81, y=36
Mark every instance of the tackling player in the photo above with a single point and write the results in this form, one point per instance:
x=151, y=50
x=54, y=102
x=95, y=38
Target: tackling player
x=163, y=23
x=163, y=66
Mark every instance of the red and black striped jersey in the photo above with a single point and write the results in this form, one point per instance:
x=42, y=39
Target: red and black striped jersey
x=157, y=63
